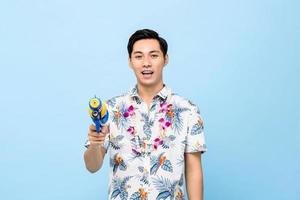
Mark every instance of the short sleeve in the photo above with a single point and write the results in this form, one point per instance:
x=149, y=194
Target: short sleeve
x=195, y=140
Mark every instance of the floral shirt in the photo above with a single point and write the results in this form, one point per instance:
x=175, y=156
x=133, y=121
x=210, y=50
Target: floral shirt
x=147, y=145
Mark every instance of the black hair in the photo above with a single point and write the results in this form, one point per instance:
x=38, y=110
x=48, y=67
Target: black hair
x=146, y=34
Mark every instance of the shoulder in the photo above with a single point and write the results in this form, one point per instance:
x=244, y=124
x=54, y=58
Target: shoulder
x=116, y=100
x=184, y=102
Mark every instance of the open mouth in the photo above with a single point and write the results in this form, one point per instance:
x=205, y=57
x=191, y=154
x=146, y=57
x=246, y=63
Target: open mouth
x=147, y=72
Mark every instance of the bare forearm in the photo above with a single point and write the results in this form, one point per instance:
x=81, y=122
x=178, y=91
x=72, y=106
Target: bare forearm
x=194, y=185
x=93, y=158
x=94, y=155
x=194, y=176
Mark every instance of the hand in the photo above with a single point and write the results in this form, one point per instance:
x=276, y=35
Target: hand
x=97, y=139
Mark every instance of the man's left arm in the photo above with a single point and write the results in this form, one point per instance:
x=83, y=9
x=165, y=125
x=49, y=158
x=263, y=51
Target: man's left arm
x=194, y=176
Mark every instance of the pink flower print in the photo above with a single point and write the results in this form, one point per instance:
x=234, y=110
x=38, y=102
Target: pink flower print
x=165, y=107
x=164, y=124
x=131, y=130
x=161, y=120
x=157, y=142
x=129, y=112
x=167, y=124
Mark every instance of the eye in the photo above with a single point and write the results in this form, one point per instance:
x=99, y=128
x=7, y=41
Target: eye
x=154, y=56
x=138, y=57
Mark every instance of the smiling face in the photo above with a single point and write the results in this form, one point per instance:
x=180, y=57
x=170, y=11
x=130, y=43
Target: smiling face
x=147, y=61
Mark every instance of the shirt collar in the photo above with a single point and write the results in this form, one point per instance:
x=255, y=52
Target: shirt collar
x=163, y=93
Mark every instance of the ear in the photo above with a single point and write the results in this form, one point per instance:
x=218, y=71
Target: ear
x=129, y=62
x=166, y=59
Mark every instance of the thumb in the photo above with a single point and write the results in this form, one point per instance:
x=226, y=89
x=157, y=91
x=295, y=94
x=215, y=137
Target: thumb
x=105, y=129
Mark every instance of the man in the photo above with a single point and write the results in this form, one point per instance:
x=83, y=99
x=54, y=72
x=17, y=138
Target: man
x=154, y=136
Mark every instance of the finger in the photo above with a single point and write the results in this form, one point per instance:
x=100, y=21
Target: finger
x=95, y=134
x=92, y=127
x=97, y=141
x=93, y=138
x=104, y=129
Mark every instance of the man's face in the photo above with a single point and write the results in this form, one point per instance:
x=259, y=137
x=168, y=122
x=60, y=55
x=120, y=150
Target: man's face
x=147, y=61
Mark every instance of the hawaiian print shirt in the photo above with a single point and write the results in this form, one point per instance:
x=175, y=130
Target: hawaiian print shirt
x=147, y=145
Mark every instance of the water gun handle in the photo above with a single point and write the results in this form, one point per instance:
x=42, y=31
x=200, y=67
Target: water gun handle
x=98, y=112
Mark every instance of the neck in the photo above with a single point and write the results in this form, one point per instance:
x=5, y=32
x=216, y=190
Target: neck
x=148, y=92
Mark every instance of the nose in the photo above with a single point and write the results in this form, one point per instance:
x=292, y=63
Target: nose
x=147, y=62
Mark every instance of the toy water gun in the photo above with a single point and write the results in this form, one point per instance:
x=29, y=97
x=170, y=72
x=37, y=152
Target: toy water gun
x=98, y=112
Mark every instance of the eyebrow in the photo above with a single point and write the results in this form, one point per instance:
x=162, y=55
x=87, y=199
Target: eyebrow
x=135, y=52
x=153, y=51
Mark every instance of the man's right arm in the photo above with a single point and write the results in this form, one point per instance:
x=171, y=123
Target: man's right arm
x=94, y=154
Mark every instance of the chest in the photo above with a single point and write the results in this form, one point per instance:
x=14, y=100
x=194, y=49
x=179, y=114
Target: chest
x=138, y=130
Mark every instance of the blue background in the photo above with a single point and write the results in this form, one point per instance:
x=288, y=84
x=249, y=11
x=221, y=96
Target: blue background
x=237, y=60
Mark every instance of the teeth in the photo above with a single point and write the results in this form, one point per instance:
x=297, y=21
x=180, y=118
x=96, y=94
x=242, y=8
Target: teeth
x=147, y=72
